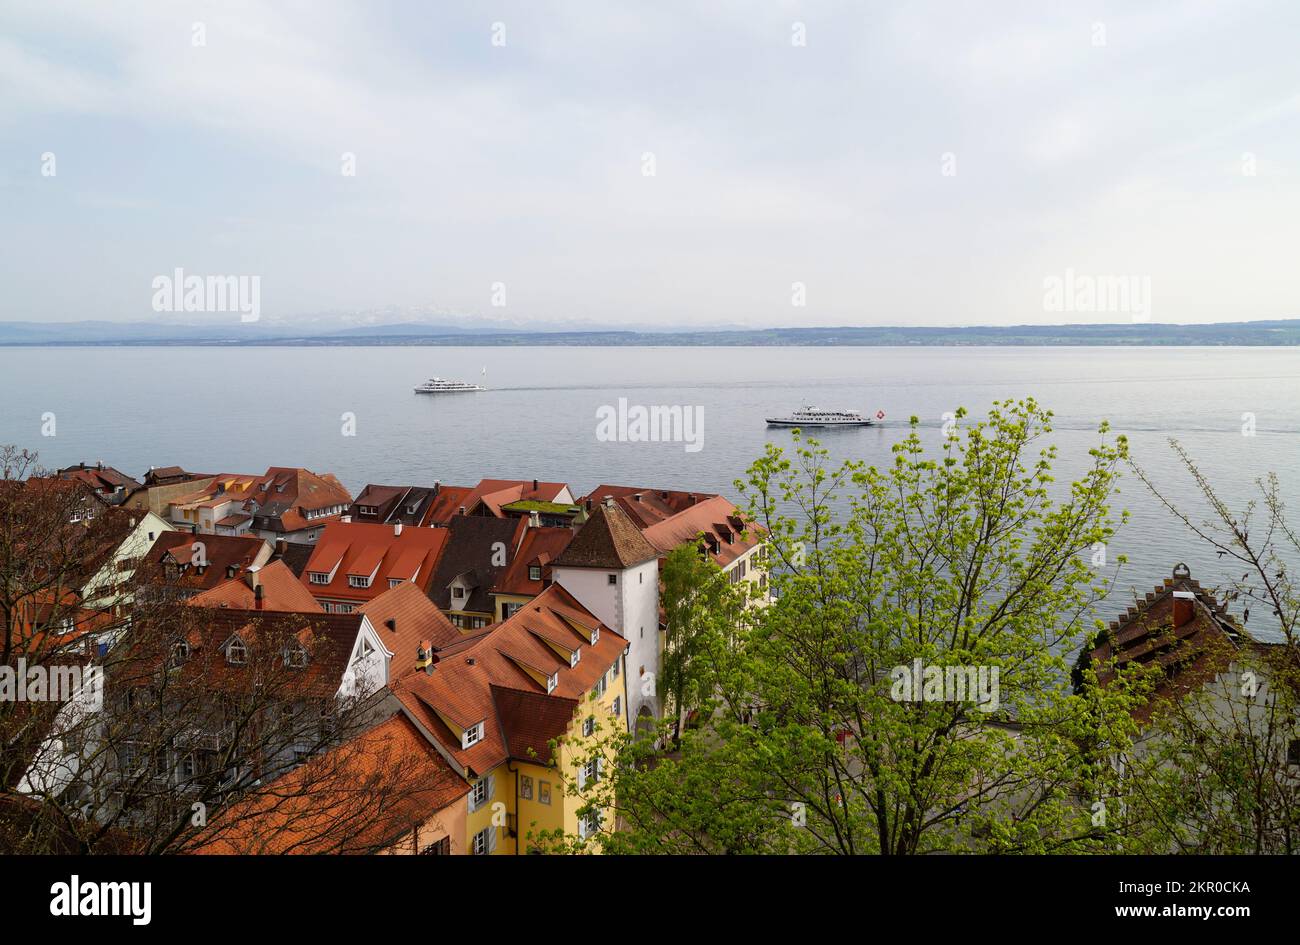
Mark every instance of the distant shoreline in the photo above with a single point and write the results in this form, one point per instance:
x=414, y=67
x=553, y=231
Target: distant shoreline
x=1277, y=333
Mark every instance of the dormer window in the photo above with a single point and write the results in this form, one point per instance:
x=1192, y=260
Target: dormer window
x=180, y=653
x=552, y=681
x=236, y=652
x=318, y=577
x=472, y=736
x=595, y=635
x=295, y=656
x=458, y=592
x=358, y=580
x=574, y=657
x=534, y=572
x=394, y=582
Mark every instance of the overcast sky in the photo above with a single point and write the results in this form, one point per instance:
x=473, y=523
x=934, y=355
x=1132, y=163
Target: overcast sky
x=1111, y=139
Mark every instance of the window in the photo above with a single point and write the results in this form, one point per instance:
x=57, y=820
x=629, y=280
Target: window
x=552, y=681
x=358, y=580
x=614, y=670
x=180, y=653
x=613, y=579
x=1293, y=752
x=188, y=767
x=589, y=824
x=472, y=735
x=526, y=787
x=589, y=726
x=544, y=792
x=317, y=577
x=485, y=841
x=438, y=848
x=480, y=794
x=394, y=582
x=595, y=636
x=600, y=687
x=534, y=572
x=617, y=708
x=574, y=657
x=236, y=652
x=458, y=592
x=295, y=656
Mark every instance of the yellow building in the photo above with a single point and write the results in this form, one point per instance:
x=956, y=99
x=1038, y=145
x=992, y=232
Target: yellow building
x=517, y=708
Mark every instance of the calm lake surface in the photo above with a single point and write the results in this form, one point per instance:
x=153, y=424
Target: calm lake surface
x=227, y=409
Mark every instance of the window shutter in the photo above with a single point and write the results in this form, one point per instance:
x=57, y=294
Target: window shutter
x=492, y=839
x=582, y=777
x=600, y=767
x=492, y=787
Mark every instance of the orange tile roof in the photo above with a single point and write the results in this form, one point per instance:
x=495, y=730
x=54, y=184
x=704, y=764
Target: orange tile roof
x=281, y=590
x=460, y=688
x=494, y=493
x=361, y=797
x=648, y=506
x=414, y=619
x=222, y=553
x=727, y=534
x=360, y=549
x=608, y=539
x=539, y=548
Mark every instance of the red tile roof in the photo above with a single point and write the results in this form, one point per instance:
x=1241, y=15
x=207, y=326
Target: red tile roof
x=609, y=539
x=362, y=550
x=727, y=536
x=647, y=506
x=539, y=548
x=281, y=590
x=490, y=494
x=177, y=550
x=414, y=620
x=361, y=797
x=510, y=655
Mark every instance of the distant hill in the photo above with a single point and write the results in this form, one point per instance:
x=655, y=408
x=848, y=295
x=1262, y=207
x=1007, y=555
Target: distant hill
x=1280, y=332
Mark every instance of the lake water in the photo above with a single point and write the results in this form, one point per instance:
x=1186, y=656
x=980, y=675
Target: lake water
x=225, y=409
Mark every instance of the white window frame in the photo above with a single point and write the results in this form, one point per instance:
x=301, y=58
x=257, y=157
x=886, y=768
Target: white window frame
x=472, y=736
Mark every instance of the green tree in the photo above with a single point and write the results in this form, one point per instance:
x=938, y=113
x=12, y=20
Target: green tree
x=966, y=557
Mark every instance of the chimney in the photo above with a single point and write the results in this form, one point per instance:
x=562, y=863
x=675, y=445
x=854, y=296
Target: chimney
x=636, y=496
x=281, y=546
x=609, y=501
x=257, y=597
x=1184, y=608
x=397, y=529
x=691, y=497
x=437, y=487
x=254, y=578
x=534, y=485
x=462, y=510
x=534, y=519
x=588, y=505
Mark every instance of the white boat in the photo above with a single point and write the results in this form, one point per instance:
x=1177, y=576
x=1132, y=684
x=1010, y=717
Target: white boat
x=817, y=417
x=439, y=385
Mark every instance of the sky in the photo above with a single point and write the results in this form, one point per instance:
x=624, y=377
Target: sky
x=669, y=163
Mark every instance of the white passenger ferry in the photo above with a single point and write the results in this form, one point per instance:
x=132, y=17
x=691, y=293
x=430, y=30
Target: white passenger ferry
x=817, y=417
x=439, y=385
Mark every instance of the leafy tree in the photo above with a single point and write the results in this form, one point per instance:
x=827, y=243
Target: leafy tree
x=967, y=557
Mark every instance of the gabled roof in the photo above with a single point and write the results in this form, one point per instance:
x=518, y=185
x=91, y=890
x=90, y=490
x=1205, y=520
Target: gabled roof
x=726, y=535
x=355, y=548
x=446, y=504
x=474, y=544
x=1179, y=629
x=360, y=797
x=609, y=539
x=222, y=553
x=539, y=548
x=531, y=720
x=461, y=686
x=281, y=590
x=404, y=618
x=648, y=506
x=491, y=494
